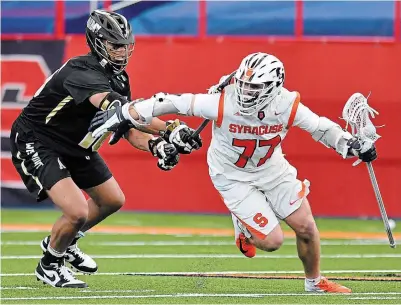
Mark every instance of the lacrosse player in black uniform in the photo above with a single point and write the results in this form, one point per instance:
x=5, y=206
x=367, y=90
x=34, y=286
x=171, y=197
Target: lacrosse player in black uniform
x=56, y=157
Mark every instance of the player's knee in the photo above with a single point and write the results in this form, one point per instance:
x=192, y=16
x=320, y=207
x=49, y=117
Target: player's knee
x=117, y=201
x=307, y=230
x=272, y=243
x=78, y=216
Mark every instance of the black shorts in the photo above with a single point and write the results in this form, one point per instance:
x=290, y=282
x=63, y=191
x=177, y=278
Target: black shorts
x=40, y=167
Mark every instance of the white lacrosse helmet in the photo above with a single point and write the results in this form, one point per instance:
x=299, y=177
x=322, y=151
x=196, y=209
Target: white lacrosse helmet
x=258, y=81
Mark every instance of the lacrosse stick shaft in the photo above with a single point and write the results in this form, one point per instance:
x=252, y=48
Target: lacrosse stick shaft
x=200, y=128
x=219, y=88
x=381, y=204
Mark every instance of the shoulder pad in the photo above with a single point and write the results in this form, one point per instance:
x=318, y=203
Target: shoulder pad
x=230, y=89
x=285, y=100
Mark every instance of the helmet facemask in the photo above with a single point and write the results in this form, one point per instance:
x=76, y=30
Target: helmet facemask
x=117, y=55
x=252, y=97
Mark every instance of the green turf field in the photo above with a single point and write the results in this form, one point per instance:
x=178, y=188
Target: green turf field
x=190, y=268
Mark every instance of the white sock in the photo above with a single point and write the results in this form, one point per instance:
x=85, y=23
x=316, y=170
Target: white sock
x=55, y=252
x=313, y=281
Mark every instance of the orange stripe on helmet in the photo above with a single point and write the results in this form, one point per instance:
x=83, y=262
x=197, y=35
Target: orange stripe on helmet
x=249, y=73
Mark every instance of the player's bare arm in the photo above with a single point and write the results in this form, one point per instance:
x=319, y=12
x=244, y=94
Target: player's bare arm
x=139, y=139
x=98, y=98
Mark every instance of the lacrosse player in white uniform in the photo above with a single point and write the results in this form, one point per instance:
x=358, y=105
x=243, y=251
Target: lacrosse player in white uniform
x=251, y=118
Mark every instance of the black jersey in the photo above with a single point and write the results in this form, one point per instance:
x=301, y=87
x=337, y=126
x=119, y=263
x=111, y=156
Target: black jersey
x=60, y=112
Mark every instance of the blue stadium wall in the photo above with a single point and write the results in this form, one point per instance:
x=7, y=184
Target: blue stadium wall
x=327, y=18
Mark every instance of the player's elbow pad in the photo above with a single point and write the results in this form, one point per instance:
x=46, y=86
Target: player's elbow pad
x=332, y=135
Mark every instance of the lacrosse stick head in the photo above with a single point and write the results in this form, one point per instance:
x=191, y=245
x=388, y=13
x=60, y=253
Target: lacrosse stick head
x=357, y=114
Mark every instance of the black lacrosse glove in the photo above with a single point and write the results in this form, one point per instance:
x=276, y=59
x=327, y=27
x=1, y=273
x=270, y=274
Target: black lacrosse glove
x=355, y=148
x=166, y=152
x=120, y=132
x=179, y=134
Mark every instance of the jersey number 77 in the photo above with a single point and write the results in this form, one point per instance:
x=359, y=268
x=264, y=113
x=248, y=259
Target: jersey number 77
x=250, y=147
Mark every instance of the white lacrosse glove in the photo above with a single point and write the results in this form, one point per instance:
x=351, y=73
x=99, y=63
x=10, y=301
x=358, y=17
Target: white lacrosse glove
x=179, y=134
x=166, y=152
x=214, y=89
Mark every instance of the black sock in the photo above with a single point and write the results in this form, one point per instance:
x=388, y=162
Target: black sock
x=74, y=241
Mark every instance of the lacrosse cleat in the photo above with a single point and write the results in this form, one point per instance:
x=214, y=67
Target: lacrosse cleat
x=241, y=238
x=58, y=275
x=244, y=246
x=79, y=261
x=325, y=285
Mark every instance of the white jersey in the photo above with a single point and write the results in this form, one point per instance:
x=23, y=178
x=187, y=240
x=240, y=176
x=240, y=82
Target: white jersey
x=245, y=148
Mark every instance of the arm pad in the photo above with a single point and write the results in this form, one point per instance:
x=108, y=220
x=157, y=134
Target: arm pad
x=111, y=100
x=332, y=135
x=164, y=104
x=200, y=105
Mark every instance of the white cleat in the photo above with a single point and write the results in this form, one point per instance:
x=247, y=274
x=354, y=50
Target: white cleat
x=58, y=275
x=79, y=261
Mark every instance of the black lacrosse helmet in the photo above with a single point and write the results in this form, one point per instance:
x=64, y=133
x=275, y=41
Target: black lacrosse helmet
x=109, y=36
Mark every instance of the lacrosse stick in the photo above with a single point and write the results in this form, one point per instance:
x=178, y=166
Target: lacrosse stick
x=356, y=113
x=219, y=89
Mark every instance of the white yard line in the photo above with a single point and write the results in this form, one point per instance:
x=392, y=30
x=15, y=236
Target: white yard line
x=192, y=295
x=17, y=288
x=236, y=256
x=197, y=243
x=83, y=291
x=222, y=272
x=375, y=298
x=119, y=291
x=38, y=230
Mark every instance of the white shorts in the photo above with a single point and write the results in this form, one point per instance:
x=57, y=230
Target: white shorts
x=259, y=204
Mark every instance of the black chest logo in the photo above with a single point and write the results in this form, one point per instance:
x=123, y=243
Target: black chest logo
x=120, y=84
x=261, y=115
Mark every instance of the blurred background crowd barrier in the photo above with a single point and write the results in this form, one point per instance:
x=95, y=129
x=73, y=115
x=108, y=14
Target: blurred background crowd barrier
x=330, y=49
